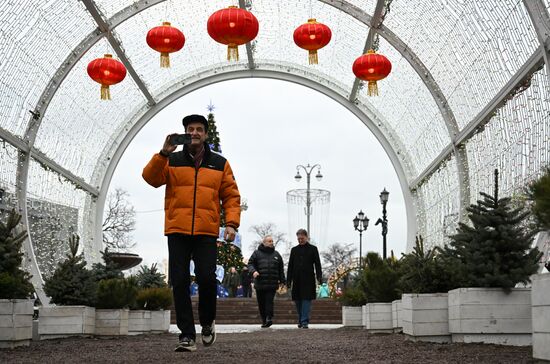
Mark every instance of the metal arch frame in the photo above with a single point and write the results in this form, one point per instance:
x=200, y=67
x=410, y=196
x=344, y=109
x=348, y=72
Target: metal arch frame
x=376, y=21
x=249, y=54
x=342, y=5
x=127, y=134
x=541, y=22
x=434, y=89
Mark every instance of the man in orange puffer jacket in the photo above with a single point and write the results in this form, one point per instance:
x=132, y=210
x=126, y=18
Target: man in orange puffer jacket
x=196, y=180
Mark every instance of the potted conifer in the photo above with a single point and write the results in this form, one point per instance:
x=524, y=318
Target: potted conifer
x=72, y=288
x=114, y=297
x=158, y=301
x=380, y=282
x=352, y=299
x=16, y=308
x=147, y=302
x=491, y=256
x=425, y=282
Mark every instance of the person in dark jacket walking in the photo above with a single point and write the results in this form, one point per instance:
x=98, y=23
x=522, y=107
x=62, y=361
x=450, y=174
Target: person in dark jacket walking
x=267, y=267
x=246, y=282
x=304, y=257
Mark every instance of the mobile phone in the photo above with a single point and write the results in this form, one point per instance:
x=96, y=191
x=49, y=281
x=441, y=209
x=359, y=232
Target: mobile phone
x=179, y=139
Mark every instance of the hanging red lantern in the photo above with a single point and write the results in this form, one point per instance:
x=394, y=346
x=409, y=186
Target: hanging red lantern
x=165, y=39
x=234, y=27
x=372, y=67
x=312, y=36
x=106, y=71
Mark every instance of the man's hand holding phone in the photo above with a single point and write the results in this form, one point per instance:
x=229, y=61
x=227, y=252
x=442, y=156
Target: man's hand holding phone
x=168, y=147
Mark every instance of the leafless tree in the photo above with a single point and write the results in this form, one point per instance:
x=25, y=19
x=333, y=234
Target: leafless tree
x=264, y=230
x=336, y=255
x=279, y=240
x=120, y=221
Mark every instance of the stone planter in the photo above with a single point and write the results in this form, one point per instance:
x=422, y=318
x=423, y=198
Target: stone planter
x=160, y=321
x=111, y=322
x=377, y=317
x=540, y=300
x=64, y=321
x=139, y=322
x=352, y=316
x=15, y=322
x=396, y=316
x=426, y=317
x=489, y=315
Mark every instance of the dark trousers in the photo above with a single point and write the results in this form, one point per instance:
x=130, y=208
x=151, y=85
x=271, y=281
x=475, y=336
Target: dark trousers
x=202, y=249
x=247, y=290
x=265, y=303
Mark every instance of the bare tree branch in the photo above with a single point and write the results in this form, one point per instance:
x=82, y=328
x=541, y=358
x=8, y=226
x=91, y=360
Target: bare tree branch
x=336, y=255
x=264, y=230
x=120, y=221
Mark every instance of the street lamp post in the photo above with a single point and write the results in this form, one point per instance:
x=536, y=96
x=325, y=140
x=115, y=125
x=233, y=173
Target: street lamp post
x=308, y=169
x=360, y=223
x=384, y=195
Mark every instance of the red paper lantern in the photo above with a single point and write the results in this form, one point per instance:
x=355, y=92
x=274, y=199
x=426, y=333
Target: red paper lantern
x=165, y=39
x=234, y=27
x=372, y=67
x=312, y=36
x=106, y=71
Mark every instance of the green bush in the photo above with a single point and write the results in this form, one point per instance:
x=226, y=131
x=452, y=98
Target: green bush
x=538, y=192
x=353, y=296
x=150, y=277
x=71, y=283
x=380, y=279
x=495, y=249
x=115, y=293
x=424, y=271
x=14, y=282
x=108, y=270
x=159, y=298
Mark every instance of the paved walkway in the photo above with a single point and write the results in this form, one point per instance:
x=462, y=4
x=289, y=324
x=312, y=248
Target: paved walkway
x=230, y=329
x=319, y=344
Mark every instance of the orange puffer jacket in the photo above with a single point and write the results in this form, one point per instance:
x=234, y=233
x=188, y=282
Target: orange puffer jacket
x=192, y=198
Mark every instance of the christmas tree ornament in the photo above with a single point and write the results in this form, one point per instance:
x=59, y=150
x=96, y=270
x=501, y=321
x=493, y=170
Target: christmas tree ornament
x=372, y=67
x=312, y=36
x=106, y=71
x=233, y=27
x=165, y=39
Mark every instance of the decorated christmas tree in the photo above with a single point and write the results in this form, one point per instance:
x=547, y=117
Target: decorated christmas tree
x=229, y=255
x=71, y=283
x=495, y=251
x=213, y=139
x=14, y=282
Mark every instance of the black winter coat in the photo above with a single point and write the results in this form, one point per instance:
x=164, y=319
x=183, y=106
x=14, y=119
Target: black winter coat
x=269, y=263
x=303, y=258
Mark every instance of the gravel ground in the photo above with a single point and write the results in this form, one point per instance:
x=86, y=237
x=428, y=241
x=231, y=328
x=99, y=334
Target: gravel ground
x=343, y=345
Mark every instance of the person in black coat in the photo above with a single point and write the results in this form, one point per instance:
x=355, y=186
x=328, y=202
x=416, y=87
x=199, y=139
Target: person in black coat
x=246, y=282
x=267, y=268
x=304, y=257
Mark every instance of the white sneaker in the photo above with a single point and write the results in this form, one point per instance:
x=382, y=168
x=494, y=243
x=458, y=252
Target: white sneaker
x=208, y=334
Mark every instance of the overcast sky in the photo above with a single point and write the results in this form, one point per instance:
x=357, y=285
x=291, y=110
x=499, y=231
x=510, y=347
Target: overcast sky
x=267, y=127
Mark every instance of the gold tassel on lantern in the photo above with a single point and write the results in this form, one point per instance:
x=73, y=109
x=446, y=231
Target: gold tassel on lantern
x=313, y=57
x=373, y=89
x=232, y=52
x=165, y=60
x=105, y=92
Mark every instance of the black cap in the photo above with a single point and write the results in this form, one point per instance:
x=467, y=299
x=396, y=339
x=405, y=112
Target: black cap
x=194, y=118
